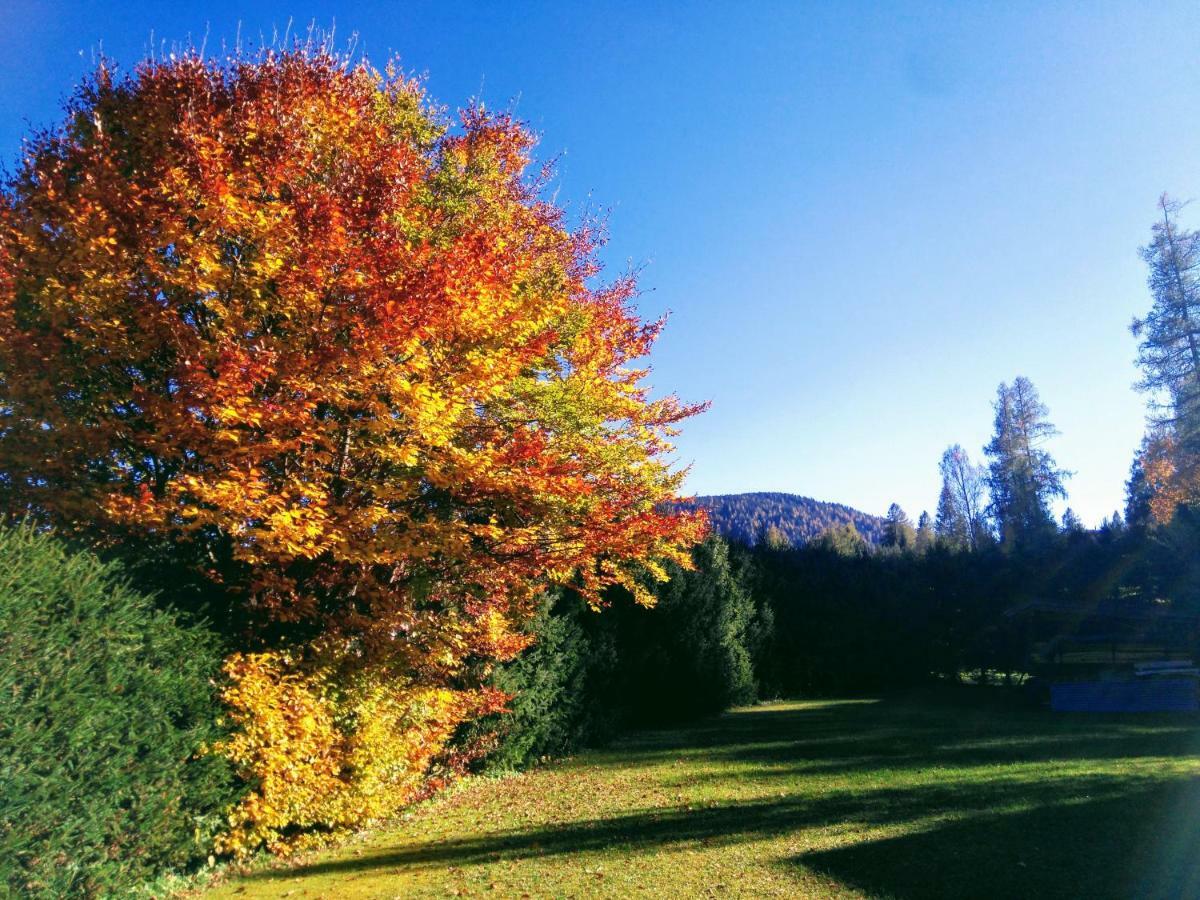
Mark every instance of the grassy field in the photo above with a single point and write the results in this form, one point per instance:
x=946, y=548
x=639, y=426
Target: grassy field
x=907, y=797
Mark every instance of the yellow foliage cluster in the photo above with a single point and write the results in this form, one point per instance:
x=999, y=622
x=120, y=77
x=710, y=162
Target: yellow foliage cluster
x=330, y=750
x=1172, y=476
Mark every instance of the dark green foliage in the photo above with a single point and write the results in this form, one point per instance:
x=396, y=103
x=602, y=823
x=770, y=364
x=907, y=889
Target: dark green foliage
x=562, y=688
x=589, y=675
x=880, y=621
x=830, y=617
x=692, y=653
x=949, y=525
x=746, y=518
x=105, y=706
x=1138, y=492
x=1163, y=563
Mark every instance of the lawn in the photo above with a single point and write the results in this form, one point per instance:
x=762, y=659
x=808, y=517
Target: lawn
x=958, y=795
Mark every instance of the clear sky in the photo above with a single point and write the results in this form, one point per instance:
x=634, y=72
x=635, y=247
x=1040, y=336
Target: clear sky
x=862, y=217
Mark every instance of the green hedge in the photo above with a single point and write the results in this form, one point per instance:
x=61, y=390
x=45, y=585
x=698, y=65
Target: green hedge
x=590, y=674
x=105, y=704
x=694, y=652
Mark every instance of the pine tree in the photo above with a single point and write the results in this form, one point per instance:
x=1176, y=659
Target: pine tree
x=1023, y=477
x=949, y=526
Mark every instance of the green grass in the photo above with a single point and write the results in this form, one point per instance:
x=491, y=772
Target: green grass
x=958, y=796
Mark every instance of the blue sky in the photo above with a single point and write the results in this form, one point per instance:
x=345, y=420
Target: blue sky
x=862, y=217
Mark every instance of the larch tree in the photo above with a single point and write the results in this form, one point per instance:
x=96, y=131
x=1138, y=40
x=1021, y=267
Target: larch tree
x=339, y=354
x=1023, y=478
x=773, y=538
x=1169, y=334
x=1169, y=356
x=843, y=540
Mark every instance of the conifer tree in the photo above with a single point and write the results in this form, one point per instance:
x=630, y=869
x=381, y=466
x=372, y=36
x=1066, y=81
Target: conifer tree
x=949, y=525
x=1071, y=523
x=925, y=535
x=1023, y=477
x=1114, y=525
x=774, y=539
x=1169, y=355
x=1169, y=334
x=898, y=531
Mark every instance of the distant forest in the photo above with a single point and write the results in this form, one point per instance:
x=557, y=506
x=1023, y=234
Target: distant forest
x=750, y=518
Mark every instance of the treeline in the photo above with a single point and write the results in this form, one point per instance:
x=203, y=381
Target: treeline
x=1008, y=502
x=858, y=621
x=827, y=618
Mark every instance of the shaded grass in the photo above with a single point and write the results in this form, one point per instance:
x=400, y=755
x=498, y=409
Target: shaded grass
x=911, y=797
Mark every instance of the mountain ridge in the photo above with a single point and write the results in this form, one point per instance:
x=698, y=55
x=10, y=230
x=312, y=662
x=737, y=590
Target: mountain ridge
x=746, y=516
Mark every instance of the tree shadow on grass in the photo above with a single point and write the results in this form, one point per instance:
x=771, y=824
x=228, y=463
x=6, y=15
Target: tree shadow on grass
x=960, y=859
x=1120, y=833
x=842, y=738
x=1141, y=845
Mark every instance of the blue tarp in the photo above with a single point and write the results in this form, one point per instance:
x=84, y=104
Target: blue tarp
x=1144, y=695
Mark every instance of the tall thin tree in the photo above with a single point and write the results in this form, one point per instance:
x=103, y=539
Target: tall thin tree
x=1169, y=334
x=925, y=535
x=949, y=525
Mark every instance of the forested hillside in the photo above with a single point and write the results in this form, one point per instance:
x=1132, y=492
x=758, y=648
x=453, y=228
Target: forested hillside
x=747, y=517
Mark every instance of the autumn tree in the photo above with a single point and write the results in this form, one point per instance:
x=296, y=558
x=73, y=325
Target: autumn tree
x=843, y=540
x=339, y=354
x=1163, y=478
x=774, y=538
x=1023, y=477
